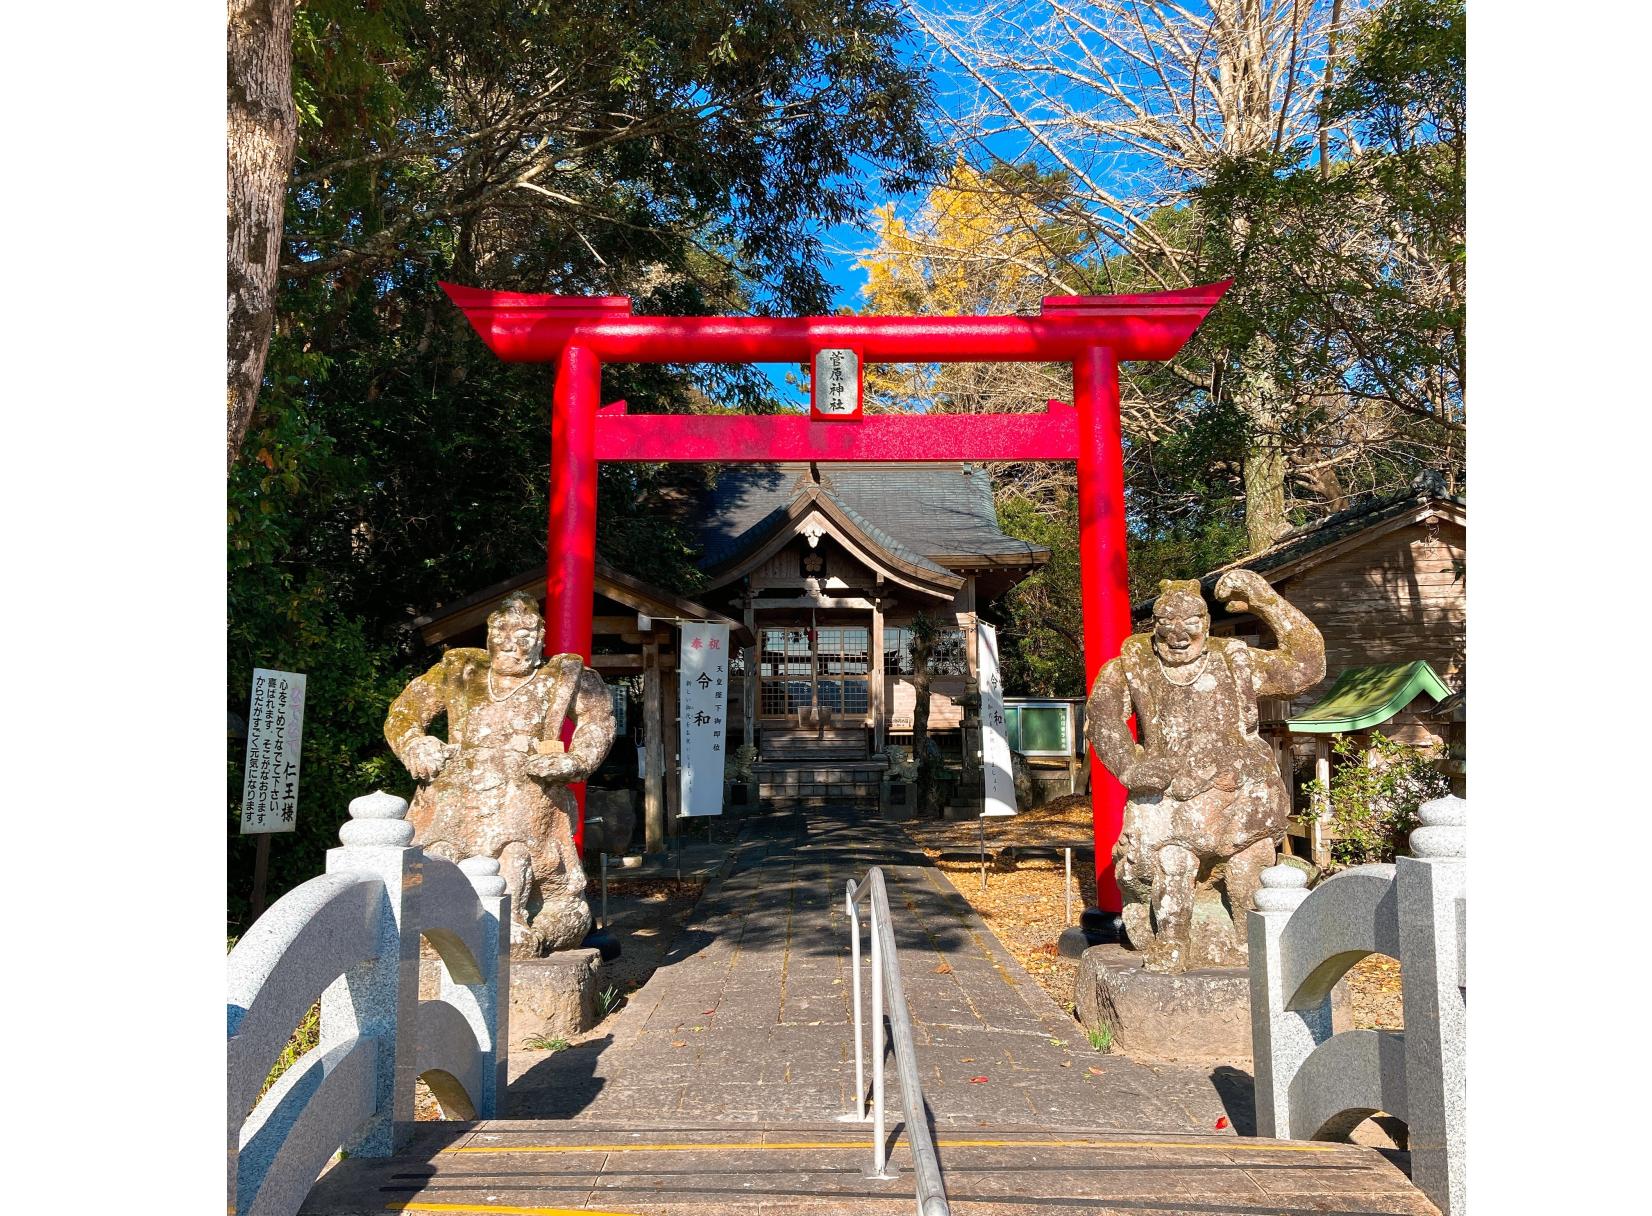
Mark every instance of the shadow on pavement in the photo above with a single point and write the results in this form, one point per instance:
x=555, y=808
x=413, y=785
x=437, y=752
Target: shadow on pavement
x=559, y=1086
x=1237, y=1090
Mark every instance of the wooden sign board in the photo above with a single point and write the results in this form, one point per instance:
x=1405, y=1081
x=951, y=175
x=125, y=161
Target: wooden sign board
x=275, y=731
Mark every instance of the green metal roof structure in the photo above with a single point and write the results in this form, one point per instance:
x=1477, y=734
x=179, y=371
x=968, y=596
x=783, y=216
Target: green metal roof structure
x=1369, y=696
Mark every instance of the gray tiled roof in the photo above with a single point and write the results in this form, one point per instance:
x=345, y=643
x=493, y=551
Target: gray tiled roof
x=916, y=511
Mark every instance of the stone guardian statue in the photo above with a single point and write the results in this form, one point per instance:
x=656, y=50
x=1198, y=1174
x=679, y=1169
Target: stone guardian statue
x=497, y=787
x=1206, y=798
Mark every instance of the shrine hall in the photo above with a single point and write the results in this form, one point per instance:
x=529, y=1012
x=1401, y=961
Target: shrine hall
x=818, y=570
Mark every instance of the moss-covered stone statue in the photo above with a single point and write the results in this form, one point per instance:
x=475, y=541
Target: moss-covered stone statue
x=497, y=787
x=1206, y=799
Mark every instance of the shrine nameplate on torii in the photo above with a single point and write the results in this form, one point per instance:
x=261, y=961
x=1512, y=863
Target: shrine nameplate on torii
x=1093, y=333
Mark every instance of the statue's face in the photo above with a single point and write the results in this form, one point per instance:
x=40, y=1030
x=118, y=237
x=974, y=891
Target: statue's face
x=1181, y=628
x=515, y=646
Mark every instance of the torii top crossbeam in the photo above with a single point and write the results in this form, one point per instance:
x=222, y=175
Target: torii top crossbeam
x=522, y=328
x=1093, y=333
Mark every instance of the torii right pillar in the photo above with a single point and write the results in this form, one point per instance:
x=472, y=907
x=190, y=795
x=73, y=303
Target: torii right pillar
x=1105, y=577
x=1103, y=565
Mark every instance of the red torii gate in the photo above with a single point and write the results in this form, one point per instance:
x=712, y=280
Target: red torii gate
x=579, y=334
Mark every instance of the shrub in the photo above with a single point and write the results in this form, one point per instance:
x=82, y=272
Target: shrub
x=740, y=763
x=1374, y=802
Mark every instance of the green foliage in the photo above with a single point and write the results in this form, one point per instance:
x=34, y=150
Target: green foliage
x=740, y=762
x=539, y=1042
x=609, y=1000
x=1101, y=1038
x=305, y=1037
x=1350, y=267
x=1374, y=801
x=1042, y=640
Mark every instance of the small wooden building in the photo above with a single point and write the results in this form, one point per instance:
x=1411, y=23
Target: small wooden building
x=827, y=565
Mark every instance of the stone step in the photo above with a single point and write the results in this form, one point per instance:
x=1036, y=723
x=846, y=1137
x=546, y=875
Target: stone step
x=833, y=793
x=806, y=754
x=819, y=775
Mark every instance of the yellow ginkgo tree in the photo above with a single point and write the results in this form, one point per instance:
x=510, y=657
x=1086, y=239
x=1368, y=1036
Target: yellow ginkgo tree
x=979, y=245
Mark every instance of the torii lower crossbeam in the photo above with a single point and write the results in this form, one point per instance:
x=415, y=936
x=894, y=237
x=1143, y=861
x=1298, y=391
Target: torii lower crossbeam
x=775, y=438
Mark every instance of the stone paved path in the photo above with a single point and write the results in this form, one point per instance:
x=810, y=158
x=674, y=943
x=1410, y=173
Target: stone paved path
x=749, y=1017
x=742, y=1043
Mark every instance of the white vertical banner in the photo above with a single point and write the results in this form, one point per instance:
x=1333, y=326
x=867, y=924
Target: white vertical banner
x=702, y=700
x=275, y=732
x=996, y=770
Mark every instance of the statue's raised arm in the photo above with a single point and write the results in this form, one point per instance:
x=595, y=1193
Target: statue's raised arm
x=1298, y=662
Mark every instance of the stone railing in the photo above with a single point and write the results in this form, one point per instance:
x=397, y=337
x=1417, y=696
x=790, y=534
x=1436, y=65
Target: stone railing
x=350, y=938
x=1315, y=1085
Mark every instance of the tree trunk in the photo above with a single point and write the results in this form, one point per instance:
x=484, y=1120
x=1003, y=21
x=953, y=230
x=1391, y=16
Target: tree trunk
x=1257, y=398
x=262, y=131
x=1265, y=520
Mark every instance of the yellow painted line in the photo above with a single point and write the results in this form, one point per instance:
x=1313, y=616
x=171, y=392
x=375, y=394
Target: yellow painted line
x=1268, y=1146
x=660, y=1148
x=503, y=1211
x=1237, y=1144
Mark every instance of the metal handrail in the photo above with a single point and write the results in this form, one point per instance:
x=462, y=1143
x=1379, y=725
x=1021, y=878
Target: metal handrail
x=886, y=979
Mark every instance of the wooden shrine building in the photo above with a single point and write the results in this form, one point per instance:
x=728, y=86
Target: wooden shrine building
x=827, y=565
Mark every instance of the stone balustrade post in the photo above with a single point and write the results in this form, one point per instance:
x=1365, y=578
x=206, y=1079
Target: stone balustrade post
x=486, y=1006
x=378, y=999
x=1432, y=902
x=1281, y=1038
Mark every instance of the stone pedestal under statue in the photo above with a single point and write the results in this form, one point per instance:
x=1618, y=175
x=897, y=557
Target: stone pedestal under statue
x=1197, y=1014
x=553, y=997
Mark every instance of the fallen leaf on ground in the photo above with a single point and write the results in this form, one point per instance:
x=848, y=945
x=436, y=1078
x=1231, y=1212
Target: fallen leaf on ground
x=1221, y=1122
x=943, y=968
x=1066, y=1063
x=1094, y=1071
x=967, y=1060
x=977, y=1080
